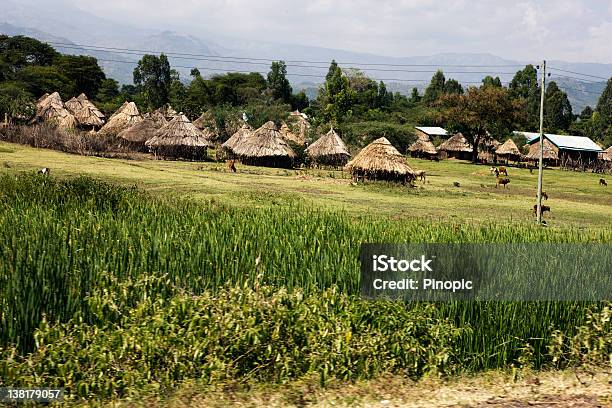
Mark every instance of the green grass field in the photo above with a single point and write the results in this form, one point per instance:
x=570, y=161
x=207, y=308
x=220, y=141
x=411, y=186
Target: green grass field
x=575, y=198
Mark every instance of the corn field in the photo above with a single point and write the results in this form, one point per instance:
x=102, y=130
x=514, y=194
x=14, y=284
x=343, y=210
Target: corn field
x=87, y=253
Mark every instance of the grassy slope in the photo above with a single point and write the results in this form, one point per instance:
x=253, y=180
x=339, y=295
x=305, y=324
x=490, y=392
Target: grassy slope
x=575, y=198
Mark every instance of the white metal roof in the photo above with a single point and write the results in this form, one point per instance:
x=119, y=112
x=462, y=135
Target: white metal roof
x=432, y=130
x=567, y=142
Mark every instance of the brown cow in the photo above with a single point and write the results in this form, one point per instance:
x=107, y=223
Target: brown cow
x=602, y=182
x=503, y=181
x=544, y=209
x=420, y=174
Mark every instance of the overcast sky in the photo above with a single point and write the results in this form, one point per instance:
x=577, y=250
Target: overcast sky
x=572, y=30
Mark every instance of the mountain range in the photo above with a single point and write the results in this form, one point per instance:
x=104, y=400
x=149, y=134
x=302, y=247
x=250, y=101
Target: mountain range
x=118, y=46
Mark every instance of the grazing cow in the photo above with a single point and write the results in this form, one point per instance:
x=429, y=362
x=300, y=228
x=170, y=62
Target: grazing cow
x=45, y=171
x=420, y=174
x=502, y=181
x=602, y=182
x=544, y=195
x=544, y=209
x=231, y=165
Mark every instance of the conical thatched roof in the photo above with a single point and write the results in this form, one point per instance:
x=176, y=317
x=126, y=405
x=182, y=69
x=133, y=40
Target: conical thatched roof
x=424, y=146
x=264, y=142
x=237, y=137
x=380, y=157
x=85, y=112
x=290, y=136
x=52, y=109
x=509, y=148
x=167, y=111
x=42, y=98
x=145, y=129
x=607, y=154
x=550, y=153
x=179, y=132
x=330, y=145
x=206, y=120
x=456, y=143
x=125, y=117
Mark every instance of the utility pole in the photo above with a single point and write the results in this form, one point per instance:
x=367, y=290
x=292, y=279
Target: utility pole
x=541, y=166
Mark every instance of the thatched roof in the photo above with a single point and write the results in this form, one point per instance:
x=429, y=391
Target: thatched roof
x=179, y=132
x=264, y=142
x=379, y=157
x=125, y=117
x=290, y=136
x=206, y=120
x=607, y=154
x=456, y=143
x=145, y=129
x=330, y=144
x=167, y=111
x=509, y=148
x=423, y=146
x=237, y=137
x=550, y=151
x=52, y=109
x=85, y=112
x=42, y=98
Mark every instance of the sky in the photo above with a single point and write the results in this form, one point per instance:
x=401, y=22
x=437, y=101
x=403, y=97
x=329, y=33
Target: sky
x=571, y=30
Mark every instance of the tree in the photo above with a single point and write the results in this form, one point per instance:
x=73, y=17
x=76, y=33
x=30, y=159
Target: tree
x=435, y=88
x=558, y=110
x=385, y=99
x=83, y=71
x=524, y=86
x=300, y=101
x=16, y=102
x=490, y=81
x=414, y=96
x=479, y=112
x=586, y=113
x=278, y=84
x=336, y=96
x=108, y=90
x=604, y=105
x=152, y=78
x=19, y=52
x=177, y=94
x=38, y=80
x=453, y=86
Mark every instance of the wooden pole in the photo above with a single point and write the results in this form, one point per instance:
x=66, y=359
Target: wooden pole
x=541, y=166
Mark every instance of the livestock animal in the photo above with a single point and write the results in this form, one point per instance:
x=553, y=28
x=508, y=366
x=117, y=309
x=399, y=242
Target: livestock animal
x=456, y=184
x=602, y=182
x=544, y=209
x=502, y=181
x=231, y=165
x=544, y=195
x=420, y=174
x=45, y=171
x=499, y=170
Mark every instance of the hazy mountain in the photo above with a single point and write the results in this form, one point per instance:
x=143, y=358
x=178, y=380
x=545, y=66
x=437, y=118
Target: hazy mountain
x=64, y=26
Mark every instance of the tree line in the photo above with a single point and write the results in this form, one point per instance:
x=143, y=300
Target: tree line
x=358, y=106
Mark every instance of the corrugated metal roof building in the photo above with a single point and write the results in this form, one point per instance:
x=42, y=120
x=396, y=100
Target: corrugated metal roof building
x=569, y=147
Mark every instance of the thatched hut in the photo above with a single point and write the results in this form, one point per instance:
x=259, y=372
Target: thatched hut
x=457, y=146
x=144, y=130
x=380, y=161
x=264, y=147
x=508, y=151
x=329, y=149
x=179, y=138
x=125, y=117
x=423, y=148
x=606, y=155
x=236, y=139
x=167, y=111
x=290, y=136
x=52, y=110
x=85, y=112
x=551, y=152
x=206, y=119
x=429, y=132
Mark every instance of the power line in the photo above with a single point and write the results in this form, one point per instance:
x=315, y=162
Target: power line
x=290, y=74
x=588, y=81
x=117, y=49
x=579, y=73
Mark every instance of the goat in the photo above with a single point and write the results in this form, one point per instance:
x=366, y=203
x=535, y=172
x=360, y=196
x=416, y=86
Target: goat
x=231, y=165
x=602, y=182
x=420, y=174
x=544, y=209
x=45, y=171
x=503, y=181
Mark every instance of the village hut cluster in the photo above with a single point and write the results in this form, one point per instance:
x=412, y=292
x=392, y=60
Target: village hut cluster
x=168, y=133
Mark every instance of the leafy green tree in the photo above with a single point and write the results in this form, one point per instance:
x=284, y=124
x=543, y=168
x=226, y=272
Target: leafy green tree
x=414, y=96
x=435, y=88
x=604, y=105
x=108, y=90
x=586, y=113
x=490, y=81
x=452, y=86
x=152, y=78
x=479, y=112
x=278, y=84
x=19, y=52
x=16, y=102
x=177, y=93
x=557, y=110
x=38, y=80
x=83, y=71
x=299, y=101
x=524, y=87
x=385, y=99
x=336, y=96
